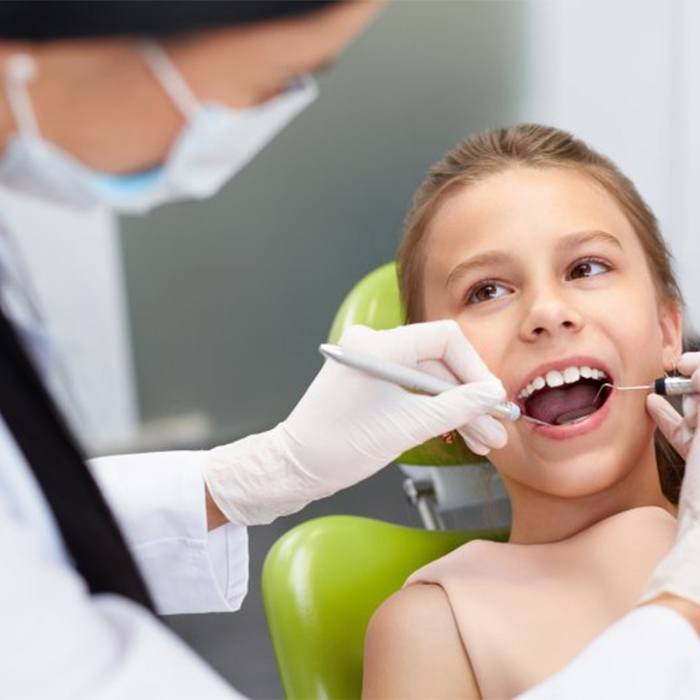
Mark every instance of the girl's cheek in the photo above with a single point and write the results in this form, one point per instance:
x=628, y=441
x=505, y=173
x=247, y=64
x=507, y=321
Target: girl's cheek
x=487, y=343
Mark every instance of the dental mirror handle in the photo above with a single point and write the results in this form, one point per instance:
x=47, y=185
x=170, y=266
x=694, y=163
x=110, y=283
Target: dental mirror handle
x=406, y=377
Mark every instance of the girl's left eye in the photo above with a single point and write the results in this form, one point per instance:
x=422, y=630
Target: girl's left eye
x=588, y=268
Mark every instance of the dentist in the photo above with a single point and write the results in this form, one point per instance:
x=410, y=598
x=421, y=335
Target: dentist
x=93, y=115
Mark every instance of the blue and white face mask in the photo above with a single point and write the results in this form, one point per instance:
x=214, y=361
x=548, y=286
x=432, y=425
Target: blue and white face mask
x=215, y=144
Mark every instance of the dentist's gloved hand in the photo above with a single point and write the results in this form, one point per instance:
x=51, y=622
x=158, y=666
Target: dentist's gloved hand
x=349, y=425
x=679, y=571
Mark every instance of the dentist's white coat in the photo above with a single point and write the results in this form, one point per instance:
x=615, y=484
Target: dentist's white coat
x=57, y=641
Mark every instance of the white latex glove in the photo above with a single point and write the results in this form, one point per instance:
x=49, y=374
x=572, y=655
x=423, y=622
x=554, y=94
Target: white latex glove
x=349, y=425
x=679, y=571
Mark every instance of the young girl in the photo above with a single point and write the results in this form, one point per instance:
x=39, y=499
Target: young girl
x=554, y=268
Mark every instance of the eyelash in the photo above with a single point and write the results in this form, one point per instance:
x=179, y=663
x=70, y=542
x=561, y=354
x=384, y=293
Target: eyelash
x=490, y=282
x=598, y=261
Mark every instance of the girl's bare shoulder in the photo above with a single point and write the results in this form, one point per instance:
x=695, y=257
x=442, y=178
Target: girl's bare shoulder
x=413, y=648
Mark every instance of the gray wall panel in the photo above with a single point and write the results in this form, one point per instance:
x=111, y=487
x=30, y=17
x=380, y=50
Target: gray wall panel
x=229, y=298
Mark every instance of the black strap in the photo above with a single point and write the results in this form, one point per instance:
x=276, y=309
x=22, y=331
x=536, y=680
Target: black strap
x=89, y=529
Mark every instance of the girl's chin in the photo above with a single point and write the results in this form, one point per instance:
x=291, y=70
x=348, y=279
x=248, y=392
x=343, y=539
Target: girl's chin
x=570, y=477
x=585, y=464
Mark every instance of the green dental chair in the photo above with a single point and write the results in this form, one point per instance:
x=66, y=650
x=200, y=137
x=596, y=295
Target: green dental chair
x=323, y=579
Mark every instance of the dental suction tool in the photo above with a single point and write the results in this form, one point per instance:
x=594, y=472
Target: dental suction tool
x=412, y=379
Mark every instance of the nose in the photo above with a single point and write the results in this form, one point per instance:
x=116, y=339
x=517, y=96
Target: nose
x=550, y=315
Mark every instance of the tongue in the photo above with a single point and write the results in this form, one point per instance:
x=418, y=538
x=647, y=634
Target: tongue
x=564, y=403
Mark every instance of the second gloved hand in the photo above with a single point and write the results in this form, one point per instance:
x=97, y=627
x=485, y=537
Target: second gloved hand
x=349, y=425
x=679, y=571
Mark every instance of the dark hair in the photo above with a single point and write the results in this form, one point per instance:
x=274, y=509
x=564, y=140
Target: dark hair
x=671, y=475
x=70, y=19
x=536, y=146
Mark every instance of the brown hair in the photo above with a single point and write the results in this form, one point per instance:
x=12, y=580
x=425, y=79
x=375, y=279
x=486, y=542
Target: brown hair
x=535, y=146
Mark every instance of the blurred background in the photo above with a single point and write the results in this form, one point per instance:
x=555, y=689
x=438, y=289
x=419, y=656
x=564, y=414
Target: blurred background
x=200, y=323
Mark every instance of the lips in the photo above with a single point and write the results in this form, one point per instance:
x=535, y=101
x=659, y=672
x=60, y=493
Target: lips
x=565, y=391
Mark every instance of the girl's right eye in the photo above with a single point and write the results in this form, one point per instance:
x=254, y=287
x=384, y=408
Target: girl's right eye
x=486, y=291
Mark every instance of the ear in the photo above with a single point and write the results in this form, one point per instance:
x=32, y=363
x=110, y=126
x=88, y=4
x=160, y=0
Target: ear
x=671, y=326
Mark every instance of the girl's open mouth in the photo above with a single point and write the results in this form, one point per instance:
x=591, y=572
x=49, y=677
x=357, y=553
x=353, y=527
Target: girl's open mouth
x=572, y=401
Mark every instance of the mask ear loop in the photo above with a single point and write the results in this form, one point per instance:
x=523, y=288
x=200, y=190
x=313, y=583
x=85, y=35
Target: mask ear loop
x=170, y=78
x=20, y=69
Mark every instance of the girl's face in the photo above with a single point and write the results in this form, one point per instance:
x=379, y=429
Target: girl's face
x=545, y=275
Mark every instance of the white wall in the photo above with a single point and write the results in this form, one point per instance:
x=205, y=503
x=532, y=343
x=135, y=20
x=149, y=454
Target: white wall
x=624, y=76
x=689, y=156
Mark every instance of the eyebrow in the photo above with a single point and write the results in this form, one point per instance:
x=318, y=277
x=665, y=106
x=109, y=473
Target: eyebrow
x=496, y=257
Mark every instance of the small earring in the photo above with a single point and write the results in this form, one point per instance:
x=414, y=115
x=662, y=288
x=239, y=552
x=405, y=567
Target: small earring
x=673, y=372
x=448, y=438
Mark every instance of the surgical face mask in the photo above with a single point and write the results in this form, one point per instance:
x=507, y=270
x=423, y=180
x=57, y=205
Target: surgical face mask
x=215, y=144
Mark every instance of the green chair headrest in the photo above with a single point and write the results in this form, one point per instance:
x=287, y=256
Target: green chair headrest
x=375, y=302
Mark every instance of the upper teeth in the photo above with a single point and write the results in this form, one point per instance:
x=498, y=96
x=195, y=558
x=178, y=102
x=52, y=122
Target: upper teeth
x=554, y=378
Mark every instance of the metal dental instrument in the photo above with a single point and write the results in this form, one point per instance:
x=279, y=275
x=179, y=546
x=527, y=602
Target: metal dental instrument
x=412, y=379
x=664, y=386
